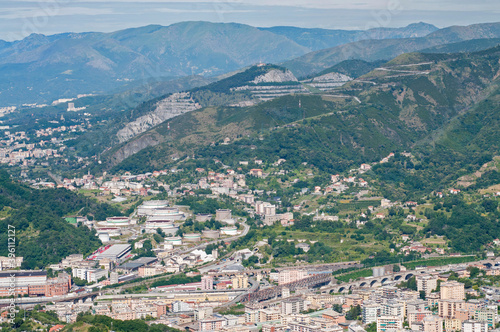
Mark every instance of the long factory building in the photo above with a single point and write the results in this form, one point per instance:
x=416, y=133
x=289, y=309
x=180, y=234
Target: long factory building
x=33, y=283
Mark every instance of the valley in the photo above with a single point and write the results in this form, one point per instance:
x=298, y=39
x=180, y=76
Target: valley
x=256, y=178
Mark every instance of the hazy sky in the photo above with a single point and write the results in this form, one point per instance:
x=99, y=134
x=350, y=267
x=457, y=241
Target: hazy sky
x=19, y=18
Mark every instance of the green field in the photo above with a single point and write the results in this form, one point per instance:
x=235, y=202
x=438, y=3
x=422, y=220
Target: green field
x=357, y=205
x=440, y=261
x=355, y=275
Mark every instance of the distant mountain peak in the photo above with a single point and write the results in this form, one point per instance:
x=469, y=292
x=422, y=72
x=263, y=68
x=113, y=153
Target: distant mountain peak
x=422, y=24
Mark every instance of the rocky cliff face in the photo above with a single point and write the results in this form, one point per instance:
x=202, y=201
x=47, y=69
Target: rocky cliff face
x=174, y=105
x=275, y=76
x=332, y=77
x=136, y=145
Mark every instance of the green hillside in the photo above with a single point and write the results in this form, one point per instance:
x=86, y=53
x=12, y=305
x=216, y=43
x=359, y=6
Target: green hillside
x=43, y=237
x=352, y=68
x=373, y=49
x=474, y=45
x=408, y=100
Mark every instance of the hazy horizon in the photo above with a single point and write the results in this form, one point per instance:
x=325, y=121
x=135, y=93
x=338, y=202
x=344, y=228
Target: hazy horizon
x=19, y=19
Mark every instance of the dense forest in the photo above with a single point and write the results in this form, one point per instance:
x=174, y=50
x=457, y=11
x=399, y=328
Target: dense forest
x=42, y=236
x=469, y=226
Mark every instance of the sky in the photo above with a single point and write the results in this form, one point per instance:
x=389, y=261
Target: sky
x=20, y=18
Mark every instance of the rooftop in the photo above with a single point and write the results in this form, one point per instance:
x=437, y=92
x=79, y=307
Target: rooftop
x=23, y=273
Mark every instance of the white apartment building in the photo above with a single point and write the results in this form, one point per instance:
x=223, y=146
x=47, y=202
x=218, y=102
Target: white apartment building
x=387, y=323
x=370, y=313
x=426, y=283
x=474, y=326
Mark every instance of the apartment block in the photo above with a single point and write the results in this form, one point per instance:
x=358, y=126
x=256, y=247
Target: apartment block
x=474, y=326
x=426, y=283
x=433, y=324
x=452, y=290
x=387, y=323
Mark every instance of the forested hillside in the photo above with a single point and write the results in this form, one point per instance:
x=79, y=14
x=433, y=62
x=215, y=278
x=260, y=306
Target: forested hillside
x=43, y=237
x=402, y=106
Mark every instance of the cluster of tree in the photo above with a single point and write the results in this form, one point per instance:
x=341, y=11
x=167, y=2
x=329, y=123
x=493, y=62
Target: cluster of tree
x=101, y=323
x=211, y=247
x=251, y=261
x=204, y=205
x=29, y=320
x=319, y=252
x=176, y=280
x=410, y=284
x=197, y=226
x=43, y=236
x=488, y=178
x=354, y=313
x=307, y=224
x=244, y=241
x=283, y=248
x=145, y=251
x=466, y=228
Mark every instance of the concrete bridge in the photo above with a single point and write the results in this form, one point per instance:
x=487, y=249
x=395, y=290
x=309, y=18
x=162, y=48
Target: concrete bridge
x=370, y=282
x=72, y=297
x=275, y=291
x=266, y=271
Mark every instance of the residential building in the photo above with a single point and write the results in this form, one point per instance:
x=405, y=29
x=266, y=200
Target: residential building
x=433, y=324
x=292, y=306
x=333, y=316
x=211, y=324
x=240, y=281
x=448, y=308
x=207, y=283
x=387, y=323
x=474, y=326
x=426, y=283
x=370, y=313
x=288, y=276
x=452, y=290
x=353, y=300
x=486, y=315
x=452, y=325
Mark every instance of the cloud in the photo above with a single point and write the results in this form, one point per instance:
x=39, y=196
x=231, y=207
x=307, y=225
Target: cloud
x=321, y=4
x=27, y=13
x=226, y=10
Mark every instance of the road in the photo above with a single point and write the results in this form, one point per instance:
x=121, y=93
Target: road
x=246, y=228
x=255, y=287
x=182, y=252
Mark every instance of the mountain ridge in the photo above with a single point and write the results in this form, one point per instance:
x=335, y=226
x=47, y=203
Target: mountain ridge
x=399, y=110
x=374, y=50
x=43, y=68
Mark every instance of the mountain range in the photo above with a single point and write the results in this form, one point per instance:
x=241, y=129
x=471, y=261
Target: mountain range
x=43, y=68
x=372, y=49
x=429, y=96
x=419, y=102
x=335, y=107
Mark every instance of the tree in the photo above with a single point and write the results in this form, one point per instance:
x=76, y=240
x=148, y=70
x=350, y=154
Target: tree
x=473, y=271
x=337, y=307
x=79, y=282
x=410, y=284
x=353, y=313
x=371, y=327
